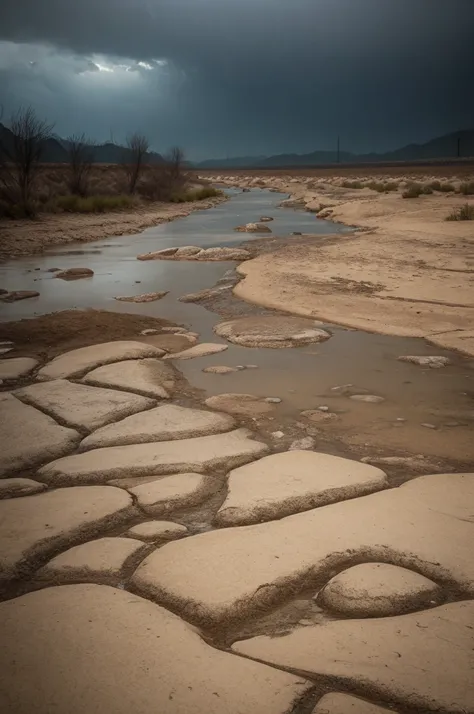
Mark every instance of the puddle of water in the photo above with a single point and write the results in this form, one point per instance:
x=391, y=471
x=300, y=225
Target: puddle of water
x=301, y=377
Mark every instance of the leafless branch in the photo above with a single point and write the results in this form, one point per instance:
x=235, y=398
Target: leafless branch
x=81, y=159
x=137, y=147
x=21, y=150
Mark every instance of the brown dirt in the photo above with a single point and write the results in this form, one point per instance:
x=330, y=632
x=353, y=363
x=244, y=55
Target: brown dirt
x=461, y=168
x=49, y=335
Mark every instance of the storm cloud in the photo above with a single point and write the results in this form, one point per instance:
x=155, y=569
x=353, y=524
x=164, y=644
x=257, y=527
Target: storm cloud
x=229, y=77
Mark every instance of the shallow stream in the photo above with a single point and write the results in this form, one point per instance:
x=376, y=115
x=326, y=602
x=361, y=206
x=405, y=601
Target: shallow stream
x=302, y=377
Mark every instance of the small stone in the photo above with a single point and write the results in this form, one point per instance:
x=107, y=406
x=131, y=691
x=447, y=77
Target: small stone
x=201, y=350
x=317, y=416
x=378, y=590
x=278, y=434
x=173, y=330
x=429, y=426
x=251, y=366
x=13, y=487
x=158, y=530
x=266, y=219
x=75, y=273
x=246, y=405
x=272, y=400
x=16, y=295
x=150, y=331
x=368, y=398
x=253, y=228
x=219, y=369
x=145, y=297
x=434, y=362
x=305, y=443
x=323, y=409
x=275, y=331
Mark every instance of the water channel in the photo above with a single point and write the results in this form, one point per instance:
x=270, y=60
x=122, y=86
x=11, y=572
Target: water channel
x=303, y=377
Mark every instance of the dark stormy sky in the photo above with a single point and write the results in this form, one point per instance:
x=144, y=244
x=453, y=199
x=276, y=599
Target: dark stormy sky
x=234, y=77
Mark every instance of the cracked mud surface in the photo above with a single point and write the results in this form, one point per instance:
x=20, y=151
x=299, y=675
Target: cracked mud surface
x=143, y=530
x=101, y=567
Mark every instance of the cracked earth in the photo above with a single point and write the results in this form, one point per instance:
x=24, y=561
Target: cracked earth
x=157, y=555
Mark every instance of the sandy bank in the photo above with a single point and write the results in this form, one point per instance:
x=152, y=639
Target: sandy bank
x=25, y=237
x=409, y=272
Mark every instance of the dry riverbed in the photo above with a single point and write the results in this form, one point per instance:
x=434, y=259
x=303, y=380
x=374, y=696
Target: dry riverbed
x=254, y=557
x=406, y=270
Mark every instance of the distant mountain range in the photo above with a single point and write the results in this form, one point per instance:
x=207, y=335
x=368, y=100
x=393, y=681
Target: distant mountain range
x=448, y=146
x=55, y=150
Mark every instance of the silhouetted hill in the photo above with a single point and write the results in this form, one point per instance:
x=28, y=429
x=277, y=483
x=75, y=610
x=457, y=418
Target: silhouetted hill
x=234, y=162
x=55, y=150
x=443, y=147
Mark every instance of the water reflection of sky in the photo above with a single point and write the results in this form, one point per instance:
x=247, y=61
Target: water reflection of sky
x=117, y=272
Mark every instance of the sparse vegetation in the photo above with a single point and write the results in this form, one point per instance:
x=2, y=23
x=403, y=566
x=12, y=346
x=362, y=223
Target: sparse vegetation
x=28, y=187
x=467, y=188
x=463, y=213
x=198, y=194
x=137, y=145
x=20, y=161
x=446, y=188
x=89, y=204
x=352, y=184
x=414, y=190
x=81, y=161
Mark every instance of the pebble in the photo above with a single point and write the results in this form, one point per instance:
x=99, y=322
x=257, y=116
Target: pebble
x=272, y=400
x=251, y=366
x=323, y=409
x=429, y=426
x=150, y=332
x=368, y=398
x=278, y=435
x=302, y=444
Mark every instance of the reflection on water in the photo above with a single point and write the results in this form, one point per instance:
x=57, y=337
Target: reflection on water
x=302, y=377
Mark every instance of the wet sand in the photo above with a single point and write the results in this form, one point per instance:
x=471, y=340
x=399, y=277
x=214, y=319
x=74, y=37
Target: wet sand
x=406, y=272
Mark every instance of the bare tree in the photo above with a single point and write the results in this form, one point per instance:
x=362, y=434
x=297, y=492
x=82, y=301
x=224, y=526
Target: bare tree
x=175, y=168
x=21, y=152
x=137, y=147
x=81, y=159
